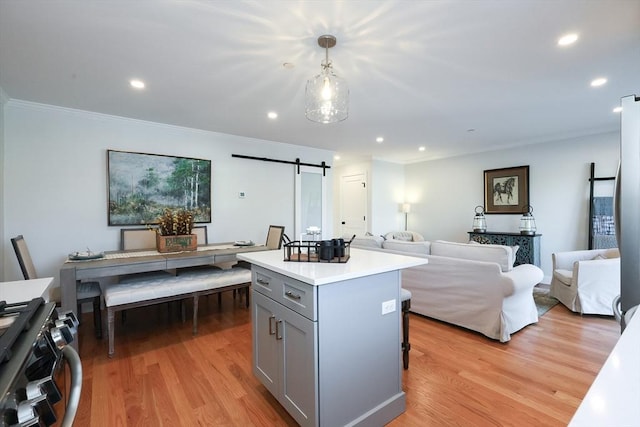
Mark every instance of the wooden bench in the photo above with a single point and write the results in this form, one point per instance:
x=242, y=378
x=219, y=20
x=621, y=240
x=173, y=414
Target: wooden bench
x=134, y=291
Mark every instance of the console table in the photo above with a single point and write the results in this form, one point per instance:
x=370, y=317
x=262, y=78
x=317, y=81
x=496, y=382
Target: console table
x=529, y=252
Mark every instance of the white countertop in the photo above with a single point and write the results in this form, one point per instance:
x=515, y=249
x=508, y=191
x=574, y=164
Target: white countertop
x=25, y=290
x=361, y=263
x=614, y=397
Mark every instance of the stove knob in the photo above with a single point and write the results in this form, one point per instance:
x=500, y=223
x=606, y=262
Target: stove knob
x=61, y=335
x=36, y=412
x=70, y=317
x=44, y=386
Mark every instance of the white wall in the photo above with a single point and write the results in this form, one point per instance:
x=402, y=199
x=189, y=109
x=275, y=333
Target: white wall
x=385, y=194
x=445, y=192
x=55, y=190
x=3, y=101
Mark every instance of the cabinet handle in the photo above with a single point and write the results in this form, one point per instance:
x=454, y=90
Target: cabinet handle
x=278, y=331
x=271, y=331
x=292, y=295
x=263, y=282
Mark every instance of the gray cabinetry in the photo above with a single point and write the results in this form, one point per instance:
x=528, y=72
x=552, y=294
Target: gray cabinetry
x=349, y=331
x=529, y=246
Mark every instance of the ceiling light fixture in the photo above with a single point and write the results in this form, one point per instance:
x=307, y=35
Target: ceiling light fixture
x=327, y=95
x=617, y=109
x=422, y=148
x=379, y=139
x=567, y=39
x=272, y=115
x=598, y=82
x=138, y=84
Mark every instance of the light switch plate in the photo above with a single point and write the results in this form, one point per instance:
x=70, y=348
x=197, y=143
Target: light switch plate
x=388, y=306
x=241, y=195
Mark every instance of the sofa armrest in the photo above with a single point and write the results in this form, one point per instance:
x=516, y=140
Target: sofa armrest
x=525, y=277
x=565, y=260
x=600, y=270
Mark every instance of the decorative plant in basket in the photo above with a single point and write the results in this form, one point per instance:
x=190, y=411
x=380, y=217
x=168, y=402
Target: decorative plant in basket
x=174, y=231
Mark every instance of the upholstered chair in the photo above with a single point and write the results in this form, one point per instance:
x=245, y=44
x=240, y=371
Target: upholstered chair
x=85, y=291
x=586, y=281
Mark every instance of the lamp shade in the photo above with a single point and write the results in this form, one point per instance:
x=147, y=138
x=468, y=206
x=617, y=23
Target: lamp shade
x=406, y=208
x=527, y=222
x=479, y=220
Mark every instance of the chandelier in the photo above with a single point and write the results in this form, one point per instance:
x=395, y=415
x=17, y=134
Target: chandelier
x=327, y=95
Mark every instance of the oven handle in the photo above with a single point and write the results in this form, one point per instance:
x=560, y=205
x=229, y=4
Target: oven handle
x=75, y=369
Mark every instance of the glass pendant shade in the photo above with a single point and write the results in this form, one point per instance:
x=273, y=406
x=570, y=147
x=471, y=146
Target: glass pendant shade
x=479, y=220
x=326, y=95
x=527, y=222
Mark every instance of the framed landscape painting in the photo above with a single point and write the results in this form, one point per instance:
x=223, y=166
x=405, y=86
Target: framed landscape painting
x=142, y=185
x=506, y=191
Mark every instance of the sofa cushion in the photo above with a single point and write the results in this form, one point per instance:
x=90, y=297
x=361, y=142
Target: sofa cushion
x=422, y=248
x=407, y=236
x=503, y=255
x=367, y=241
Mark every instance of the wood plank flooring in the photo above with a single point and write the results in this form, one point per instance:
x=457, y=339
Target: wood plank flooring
x=161, y=375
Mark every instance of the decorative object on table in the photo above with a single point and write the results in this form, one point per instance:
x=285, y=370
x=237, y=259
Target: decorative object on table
x=142, y=185
x=243, y=243
x=506, y=190
x=329, y=251
x=479, y=220
x=406, y=208
x=326, y=95
x=174, y=232
x=314, y=232
x=527, y=222
x=85, y=255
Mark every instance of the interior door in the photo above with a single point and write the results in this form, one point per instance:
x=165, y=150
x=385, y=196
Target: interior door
x=353, y=204
x=310, y=201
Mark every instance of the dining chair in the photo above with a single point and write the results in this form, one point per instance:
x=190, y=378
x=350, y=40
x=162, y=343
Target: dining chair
x=274, y=237
x=85, y=291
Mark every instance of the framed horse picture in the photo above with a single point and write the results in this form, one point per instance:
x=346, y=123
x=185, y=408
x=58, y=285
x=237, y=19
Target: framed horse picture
x=506, y=191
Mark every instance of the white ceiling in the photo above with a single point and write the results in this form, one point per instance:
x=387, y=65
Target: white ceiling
x=420, y=73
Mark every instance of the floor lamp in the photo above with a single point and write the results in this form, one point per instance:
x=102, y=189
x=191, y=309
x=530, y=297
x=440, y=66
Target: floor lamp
x=406, y=208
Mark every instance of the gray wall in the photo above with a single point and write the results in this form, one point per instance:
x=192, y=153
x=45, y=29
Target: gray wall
x=55, y=190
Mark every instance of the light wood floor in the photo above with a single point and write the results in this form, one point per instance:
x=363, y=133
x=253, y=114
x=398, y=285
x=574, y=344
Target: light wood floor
x=163, y=376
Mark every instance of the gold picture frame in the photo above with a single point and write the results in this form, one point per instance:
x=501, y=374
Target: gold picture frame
x=506, y=191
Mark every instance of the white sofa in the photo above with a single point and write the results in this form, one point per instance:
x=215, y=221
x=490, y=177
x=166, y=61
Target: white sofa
x=467, y=284
x=586, y=281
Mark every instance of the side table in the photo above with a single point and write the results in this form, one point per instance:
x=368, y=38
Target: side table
x=529, y=252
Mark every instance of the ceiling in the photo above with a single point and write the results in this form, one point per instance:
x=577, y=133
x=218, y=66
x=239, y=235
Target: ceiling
x=453, y=76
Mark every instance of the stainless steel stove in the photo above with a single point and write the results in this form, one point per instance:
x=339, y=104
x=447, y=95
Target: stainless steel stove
x=33, y=345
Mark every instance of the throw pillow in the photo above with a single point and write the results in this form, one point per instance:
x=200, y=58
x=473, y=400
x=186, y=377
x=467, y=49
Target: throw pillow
x=403, y=235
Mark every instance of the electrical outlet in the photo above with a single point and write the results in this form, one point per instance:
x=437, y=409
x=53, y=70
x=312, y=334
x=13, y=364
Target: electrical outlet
x=388, y=306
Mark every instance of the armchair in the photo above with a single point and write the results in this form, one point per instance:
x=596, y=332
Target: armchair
x=586, y=281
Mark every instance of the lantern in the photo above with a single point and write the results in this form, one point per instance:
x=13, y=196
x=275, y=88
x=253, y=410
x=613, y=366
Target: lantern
x=479, y=221
x=527, y=222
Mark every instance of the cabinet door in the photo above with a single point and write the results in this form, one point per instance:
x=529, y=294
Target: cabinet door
x=298, y=388
x=265, y=346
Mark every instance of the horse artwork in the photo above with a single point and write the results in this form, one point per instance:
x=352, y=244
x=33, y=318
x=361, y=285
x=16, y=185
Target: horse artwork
x=505, y=191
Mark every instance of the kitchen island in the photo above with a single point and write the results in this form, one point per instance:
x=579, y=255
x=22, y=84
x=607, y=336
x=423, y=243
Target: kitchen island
x=327, y=336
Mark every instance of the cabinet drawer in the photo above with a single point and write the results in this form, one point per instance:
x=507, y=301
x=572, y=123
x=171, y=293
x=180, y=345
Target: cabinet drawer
x=298, y=296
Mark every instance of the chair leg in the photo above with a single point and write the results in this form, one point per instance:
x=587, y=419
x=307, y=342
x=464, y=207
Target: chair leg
x=110, y=330
x=406, y=346
x=219, y=299
x=195, y=314
x=97, y=318
x=246, y=296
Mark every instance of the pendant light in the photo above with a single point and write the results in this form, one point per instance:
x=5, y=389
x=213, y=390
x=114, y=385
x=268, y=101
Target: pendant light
x=327, y=95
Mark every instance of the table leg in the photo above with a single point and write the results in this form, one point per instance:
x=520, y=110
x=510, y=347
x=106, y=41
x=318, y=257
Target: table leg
x=68, y=299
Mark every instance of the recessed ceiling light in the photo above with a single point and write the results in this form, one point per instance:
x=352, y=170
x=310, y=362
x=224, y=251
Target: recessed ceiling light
x=617, y=110
x=272, y=115
x=379, y=139
x=598, y=82
x=336, y=157
x=135, y=83
x=287, y=65
x=567, y=39
x=422, y=148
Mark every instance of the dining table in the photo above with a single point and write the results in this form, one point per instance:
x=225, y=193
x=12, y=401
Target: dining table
x=117, y=263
